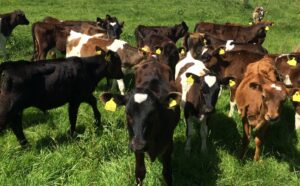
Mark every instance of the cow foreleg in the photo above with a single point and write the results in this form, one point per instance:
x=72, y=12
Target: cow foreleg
x=3, y=46
x=93, y=102
x=17, y=128
x=73, y=110
x=189, y=133
x=232, y=102
x=203, y=134
x=167, y=167
x=246, y=137
x=258, y=142
x=140, y=169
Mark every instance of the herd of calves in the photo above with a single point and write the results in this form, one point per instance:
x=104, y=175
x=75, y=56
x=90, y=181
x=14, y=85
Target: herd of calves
x=167, y=78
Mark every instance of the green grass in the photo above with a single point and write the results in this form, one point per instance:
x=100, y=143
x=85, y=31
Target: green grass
x=56, y=159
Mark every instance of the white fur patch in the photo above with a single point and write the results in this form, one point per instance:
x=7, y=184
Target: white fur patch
x=287, y=80
x=276, y=87
x=297, y=121
x=210, y=80
x=83, y=40
x=139, y=98
x=113, y=23
x=121, y=86
x=229, y=46
x=204, y=50
x=197, y=68
x=117, y=44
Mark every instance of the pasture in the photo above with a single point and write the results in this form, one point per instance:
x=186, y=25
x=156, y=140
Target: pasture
x=54, y=158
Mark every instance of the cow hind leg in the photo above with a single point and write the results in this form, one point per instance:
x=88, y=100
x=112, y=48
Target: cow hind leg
x=246, y=137
x=189, y=133
x=17, y=128
x=93, y=102
x=140, y=169
x=232, y=103
x=73, y=110
x=167, y=167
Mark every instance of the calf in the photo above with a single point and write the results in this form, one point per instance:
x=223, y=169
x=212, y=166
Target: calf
x=152, y=114
x=258, y=14
x=7, y=24
x=51, y=33
x=258, y=101
x=174, y=33
x=255, y=33
x=288, y=67
x=82, y=45
x=199, y=95
x=52, y=83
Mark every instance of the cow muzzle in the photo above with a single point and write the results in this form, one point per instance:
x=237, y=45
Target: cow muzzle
x=138, y=144
x=272, y=118
x=208, y=109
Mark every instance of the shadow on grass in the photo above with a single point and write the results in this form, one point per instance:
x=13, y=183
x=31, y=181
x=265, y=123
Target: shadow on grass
x=36, y=117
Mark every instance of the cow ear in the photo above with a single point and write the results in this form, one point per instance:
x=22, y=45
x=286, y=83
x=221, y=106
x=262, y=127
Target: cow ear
x=158, y=50
x=121, y=24
x=145, y=50
x=99, y=20
x=172, y=100
x=99, y=51
x=292, y=91
x=108, y=17
x=255, y=86
x=117, y=99
x=194, y=78
x=231, y=81
x=181, y=51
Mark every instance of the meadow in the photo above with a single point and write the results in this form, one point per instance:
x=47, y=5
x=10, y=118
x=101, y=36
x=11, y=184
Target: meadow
x=54, y=158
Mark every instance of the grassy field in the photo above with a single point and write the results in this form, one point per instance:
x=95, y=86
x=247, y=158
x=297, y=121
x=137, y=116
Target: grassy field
x=55, y=159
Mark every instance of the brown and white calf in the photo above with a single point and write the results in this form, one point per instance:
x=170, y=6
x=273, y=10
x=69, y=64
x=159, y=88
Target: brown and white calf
x=8, y=22
x=152, y=112
x=258, y=100
x=199, y=95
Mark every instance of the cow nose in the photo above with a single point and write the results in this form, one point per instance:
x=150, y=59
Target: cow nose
x=208, y=109
x=272, y=118
x=138, y=144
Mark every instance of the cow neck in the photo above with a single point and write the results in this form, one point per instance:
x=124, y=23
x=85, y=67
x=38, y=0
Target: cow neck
x=6, y=27
x=276, y=65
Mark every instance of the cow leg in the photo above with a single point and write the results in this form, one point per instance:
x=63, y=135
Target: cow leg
x=246, y=137
x=140, y=169
x=258, y=142
x=203, y=134
x=297, y=121
x=3, y=46
x=232, y=102
x=17, y=128
x=73, y=110
x=121, y=86
x=93, y=102
x=167, y=167
x=189, y=133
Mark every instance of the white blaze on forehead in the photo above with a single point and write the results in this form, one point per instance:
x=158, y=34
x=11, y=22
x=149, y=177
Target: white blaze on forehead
x=210, y=80
x=117, y=44
x=197, y=68
x=139, y=98
x=287, y=80
x=276, y=87
x=204, y=50
x=113, y=23
x=229, y=45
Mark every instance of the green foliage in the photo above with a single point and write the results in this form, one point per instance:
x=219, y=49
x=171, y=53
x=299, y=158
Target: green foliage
x=90, y=159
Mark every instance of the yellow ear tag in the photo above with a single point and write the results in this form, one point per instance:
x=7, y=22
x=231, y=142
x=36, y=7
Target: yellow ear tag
x=107, y=58
x=172, y=103
x=267, y=28
x=231, y=83
x=99, y=52
x=190, y=80
x=296, y=97
x=110, y=105
x=222, y=51
x=292, y=62
x=250, y=23
x=182, y=52
x=145, y=49
x=158, y=51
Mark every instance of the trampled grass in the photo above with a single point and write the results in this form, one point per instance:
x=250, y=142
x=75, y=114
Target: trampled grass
x=56, y=159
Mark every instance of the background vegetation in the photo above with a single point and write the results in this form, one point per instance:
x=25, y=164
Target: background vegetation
x=55, y=159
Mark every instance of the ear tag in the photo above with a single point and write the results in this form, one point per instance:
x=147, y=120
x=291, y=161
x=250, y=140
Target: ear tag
x=182, y=52
x=204, y=41
x=296, y=97
x=292, y=62
x=99, y=52
x=145, y=49
x=222, y=51
x=172, y=103
x=110, y=105
x=267, y=28
x=231, y=83
x=158, y=51
x=250, y=23
x=190, y=80
x=107, y=58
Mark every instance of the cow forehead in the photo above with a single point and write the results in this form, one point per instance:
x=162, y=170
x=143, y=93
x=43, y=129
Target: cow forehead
x=140, y=97
x=210, y=80
x=117, y=44
x=112, y=23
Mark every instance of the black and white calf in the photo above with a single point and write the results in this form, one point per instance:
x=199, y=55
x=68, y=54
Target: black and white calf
x=7, y=23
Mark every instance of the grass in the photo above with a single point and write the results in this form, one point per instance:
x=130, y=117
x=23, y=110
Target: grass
x=56, y=159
